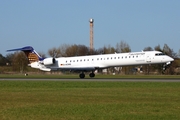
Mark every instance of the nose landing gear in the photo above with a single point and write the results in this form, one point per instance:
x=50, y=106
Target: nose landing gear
x=165, y=66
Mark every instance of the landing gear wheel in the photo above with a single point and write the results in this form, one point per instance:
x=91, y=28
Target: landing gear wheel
x=82, y=75
x=91, y=75
x=165, y=66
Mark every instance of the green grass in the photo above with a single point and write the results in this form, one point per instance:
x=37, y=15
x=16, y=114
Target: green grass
x=66, y=100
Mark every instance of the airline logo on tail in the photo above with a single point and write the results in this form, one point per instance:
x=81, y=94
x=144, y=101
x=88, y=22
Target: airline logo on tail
x=32, y=57
x=31, y=54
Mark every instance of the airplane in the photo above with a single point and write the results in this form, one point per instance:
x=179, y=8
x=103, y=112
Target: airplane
x=90, y=63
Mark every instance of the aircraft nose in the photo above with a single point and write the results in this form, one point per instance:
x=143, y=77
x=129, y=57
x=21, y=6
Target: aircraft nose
x=171, y=59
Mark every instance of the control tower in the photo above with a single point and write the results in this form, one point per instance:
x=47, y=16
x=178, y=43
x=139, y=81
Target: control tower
x=91, y=35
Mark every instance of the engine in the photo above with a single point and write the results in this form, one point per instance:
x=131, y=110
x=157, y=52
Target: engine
x=49, y=61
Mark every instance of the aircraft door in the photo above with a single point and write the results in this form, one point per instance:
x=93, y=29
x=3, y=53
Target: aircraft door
x=148, y=58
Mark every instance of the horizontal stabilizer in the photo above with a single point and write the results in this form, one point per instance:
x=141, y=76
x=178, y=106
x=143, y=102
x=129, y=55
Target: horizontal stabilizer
x=31, y=54
x=27, y=48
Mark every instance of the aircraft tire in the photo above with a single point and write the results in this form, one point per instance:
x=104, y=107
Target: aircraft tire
x=91, y=75
x=82, y=75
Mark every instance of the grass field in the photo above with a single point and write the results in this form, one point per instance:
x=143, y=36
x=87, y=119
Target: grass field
x=86, y=100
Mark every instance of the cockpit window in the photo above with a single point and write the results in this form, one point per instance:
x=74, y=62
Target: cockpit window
x=159, y=54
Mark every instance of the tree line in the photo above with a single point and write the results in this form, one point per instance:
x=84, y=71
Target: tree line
x=18, y=62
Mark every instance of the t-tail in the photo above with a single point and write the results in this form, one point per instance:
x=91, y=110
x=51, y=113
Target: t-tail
x=30, y=53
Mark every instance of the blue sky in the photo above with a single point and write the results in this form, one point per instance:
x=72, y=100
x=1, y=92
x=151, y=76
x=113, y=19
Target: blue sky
x=45, y=24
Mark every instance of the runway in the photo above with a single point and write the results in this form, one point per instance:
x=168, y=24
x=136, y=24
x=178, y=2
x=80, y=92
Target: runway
x=94, y=80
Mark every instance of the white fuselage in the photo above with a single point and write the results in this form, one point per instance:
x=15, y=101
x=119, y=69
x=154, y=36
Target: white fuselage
x=93, y=62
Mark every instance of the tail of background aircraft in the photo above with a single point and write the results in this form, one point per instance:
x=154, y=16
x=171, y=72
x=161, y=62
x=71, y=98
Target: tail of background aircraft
x=31, y=54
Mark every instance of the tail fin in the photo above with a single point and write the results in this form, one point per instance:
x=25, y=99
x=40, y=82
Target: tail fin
x=30, y=53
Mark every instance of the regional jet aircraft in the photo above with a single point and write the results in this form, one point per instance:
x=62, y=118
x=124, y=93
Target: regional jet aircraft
x=90, y=63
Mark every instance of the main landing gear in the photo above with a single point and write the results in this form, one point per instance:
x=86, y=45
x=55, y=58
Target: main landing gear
x=91, y=75
x=82, y=75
